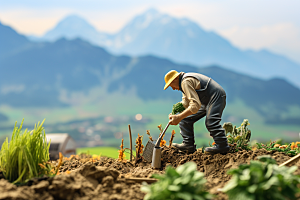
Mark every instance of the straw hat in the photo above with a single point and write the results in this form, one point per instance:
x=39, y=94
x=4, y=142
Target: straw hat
x=169, y=77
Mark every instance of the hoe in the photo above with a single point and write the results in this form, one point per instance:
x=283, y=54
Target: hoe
x=152, y=152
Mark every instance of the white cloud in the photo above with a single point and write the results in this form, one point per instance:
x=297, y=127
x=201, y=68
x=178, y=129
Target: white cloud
x=38, y=21
x=32, y=21
x=6, y=89
x=283, y=38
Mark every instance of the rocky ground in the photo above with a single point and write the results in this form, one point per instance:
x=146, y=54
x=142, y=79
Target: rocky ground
x=84, y=177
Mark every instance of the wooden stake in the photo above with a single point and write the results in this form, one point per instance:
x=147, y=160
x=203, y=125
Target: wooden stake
x=139, y=180
x=130, y=142
x=290, y=160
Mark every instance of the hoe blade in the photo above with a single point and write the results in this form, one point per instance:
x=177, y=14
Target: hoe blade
x=148, y=151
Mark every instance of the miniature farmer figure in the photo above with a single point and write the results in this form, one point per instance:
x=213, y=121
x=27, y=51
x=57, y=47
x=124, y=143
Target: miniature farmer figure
x=201, y=96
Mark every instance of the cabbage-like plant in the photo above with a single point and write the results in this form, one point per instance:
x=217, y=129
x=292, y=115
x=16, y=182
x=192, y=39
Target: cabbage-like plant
x=263, y=180
x=184, y=182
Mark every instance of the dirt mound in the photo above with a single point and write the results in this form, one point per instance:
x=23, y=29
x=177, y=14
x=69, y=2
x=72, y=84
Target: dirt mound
x=87, y=182
x=213, y=166
x=77, y=161
x=84, y=177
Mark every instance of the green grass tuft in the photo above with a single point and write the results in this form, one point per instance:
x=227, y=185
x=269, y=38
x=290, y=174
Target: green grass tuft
x=25, y=156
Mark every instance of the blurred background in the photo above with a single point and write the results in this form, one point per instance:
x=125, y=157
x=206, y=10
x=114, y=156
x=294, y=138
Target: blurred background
x=91, y=67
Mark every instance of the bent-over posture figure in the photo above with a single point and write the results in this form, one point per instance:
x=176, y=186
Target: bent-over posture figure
x=201, y=96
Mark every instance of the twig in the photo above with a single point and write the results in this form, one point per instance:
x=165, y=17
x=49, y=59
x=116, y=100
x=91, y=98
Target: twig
x=130, y=142
x=139, y=180
x=129, y=152
x=171, y=139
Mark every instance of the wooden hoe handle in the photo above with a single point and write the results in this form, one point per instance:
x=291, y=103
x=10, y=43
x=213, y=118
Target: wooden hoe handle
x=290, y=160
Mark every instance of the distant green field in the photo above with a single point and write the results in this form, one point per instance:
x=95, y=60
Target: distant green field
x=104, y=151
x=126, y=106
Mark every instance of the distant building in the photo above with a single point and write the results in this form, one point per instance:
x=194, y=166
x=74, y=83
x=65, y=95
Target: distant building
x=61, y=142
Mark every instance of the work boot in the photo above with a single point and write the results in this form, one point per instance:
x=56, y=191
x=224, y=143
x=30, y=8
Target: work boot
x=190, y=148
x=221, y=148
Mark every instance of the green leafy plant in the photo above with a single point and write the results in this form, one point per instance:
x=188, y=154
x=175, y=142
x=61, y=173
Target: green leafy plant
x=177, y=108
x=26, y=155
x=238, y=138
x=291, y=149
x=184, y=182
x=262, y=180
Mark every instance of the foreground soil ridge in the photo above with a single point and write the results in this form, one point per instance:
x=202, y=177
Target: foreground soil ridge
x=82, y=177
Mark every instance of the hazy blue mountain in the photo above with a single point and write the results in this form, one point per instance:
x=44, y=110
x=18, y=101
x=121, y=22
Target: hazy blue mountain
x=3, y=117
x=72, y=27
x=275, y=65
x=271, y=97
x=11, y=41
x=184, y=41
x=35, y=77
x=181, y=40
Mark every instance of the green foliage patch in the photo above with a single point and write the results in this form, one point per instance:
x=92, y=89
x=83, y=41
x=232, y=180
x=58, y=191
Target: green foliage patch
x=184, y=182
x=262, y=180
x=177, y=108
x=287, y=149
x=25, y=156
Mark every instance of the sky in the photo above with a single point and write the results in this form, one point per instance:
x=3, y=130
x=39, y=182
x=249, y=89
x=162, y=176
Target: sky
x=247, y=24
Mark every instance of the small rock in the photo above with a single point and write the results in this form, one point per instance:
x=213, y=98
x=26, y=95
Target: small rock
x=108, y=181
x=117, y=187
x=41, y=186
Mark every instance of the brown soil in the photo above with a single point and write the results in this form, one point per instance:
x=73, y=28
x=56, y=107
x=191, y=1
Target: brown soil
x=85, y=178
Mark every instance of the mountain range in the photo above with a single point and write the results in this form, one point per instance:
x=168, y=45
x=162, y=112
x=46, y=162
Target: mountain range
x=36, y=74
x=178, y=39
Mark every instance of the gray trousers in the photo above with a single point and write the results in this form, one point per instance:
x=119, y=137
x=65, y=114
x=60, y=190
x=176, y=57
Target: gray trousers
x=213, y=112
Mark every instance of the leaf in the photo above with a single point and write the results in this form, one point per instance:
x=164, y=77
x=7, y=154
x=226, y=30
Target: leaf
x=174, y=188
x=245, y=175
x=187, y=168
x=269, y=171
x=252, y=188
x=178, y=180
x=145, y=188
x=170, y=171
x=292, y=169
x=232, y=184
x=198, y=176
x=186, y=179
x=158, y=176
x=240, y=194
x=147, y=196
x=274, y=181
x=184, y=195
x=266, y=158
x=198, y=197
